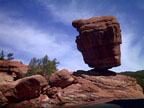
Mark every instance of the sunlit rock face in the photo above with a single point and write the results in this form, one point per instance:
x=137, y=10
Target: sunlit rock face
x=99, y=41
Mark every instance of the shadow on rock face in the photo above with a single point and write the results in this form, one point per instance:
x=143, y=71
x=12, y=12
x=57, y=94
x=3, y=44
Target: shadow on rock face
x=95, y=72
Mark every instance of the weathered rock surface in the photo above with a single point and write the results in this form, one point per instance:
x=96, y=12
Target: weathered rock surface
x=5, y=77
x=13, y=68
x=99, y=41
x=85, y=87
x=23, y=89
x=17, y=66
x=94, y=86
x=40, y=102
x=61, y=78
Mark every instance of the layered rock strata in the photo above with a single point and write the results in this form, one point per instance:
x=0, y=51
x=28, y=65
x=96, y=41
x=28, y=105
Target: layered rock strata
x=99, y=41
x=12, y=68
x=93, y=87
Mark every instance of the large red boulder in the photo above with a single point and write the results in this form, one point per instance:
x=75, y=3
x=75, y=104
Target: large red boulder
x=99, y=41
x=23, y=89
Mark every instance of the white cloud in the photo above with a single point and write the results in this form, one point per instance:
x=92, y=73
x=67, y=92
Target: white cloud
x=26, y=38
x=22, y=37
x=68, y=12
x=131, y=58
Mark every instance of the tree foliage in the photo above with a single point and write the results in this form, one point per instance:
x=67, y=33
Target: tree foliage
x=9, y=56
x=42, y=66
x=2, y=56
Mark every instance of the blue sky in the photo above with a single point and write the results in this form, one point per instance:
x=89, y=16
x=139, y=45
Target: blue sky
x=33, y=28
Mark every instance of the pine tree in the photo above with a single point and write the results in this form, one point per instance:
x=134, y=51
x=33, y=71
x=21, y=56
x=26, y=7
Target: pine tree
x=10, y=56
x=2, y=56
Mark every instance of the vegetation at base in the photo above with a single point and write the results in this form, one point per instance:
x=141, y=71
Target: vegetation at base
x=9, y=56
x=42, y=66
x=139, y=75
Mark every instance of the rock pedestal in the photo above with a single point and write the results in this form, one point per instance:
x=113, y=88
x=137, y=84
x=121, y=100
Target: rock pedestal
x=99, y=41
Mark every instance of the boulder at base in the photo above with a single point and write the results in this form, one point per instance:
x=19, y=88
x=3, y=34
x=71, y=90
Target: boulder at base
x=91, y=86
x=23, y=89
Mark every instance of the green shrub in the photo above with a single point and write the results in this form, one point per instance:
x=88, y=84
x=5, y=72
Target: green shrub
x=42, y=66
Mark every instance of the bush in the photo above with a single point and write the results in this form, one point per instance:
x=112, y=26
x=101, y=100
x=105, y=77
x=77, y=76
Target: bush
x=42, y=66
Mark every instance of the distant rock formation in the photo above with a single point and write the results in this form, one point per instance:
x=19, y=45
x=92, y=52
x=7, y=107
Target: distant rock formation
x=12, y=68
x=99, y=41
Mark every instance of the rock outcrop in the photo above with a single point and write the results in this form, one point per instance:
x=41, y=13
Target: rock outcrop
x=92, y=86
x=39, y=102
x=68, y=88
x=23, y=89
x=12, y=68
x=99, y=41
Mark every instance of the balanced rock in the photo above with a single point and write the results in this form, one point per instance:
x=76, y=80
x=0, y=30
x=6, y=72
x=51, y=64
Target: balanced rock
x=99, y=41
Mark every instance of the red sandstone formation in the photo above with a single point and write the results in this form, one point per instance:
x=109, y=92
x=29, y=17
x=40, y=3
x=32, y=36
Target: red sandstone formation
x=22, y=89
x=99, y=41
x=91, y=86
x=61, y=78
x=81, y=87
x=39, y=102
x=13, y=68
x=16, y=64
